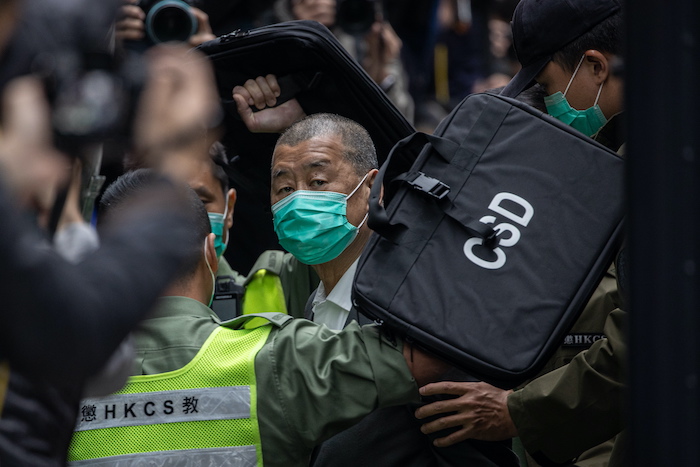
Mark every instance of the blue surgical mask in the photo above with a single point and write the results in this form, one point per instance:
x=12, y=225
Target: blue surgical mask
x=588, y=121
x=217, y=227
x=313, y=225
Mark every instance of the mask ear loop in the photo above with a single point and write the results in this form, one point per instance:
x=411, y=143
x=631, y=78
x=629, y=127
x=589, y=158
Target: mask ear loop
x=353, y=192
x=572, y=76
x=598, y=96
x=357, y=187
x=213, y=278
x=224, y=226
x=363, y=221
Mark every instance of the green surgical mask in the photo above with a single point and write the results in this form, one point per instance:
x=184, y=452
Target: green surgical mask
x=313, y=225
x=217, y=227
x=588, y=121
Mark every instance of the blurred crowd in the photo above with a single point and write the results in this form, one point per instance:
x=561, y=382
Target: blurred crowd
x=426, y=54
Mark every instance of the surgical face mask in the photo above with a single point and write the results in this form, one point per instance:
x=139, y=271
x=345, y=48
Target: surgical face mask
x=313, y=225
x=588, y=121
x=217, y=227
x=213, y=277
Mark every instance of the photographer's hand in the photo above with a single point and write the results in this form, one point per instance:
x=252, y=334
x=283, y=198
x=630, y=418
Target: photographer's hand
x=130, y=25
x=383, y=50
x=262, y=92
x=203, y=33
x=29, y=164
x=179, y=104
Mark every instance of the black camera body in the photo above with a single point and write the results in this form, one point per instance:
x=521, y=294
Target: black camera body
x=168, y=20
x=92, y=91
x=93, y=96
x=228, y=298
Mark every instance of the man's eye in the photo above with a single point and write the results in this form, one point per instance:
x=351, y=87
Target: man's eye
x=318, y=182
x=286, y=189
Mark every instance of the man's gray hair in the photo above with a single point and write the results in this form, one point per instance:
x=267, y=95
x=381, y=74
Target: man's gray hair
x=358, y=146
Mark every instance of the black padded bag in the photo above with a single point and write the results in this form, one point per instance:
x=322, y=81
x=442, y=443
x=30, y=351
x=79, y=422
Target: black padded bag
x=493, y=234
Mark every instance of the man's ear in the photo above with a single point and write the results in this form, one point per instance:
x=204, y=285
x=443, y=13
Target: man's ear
x=371, y=178
x=210, y=253
x=599, y=64
x=231, y=197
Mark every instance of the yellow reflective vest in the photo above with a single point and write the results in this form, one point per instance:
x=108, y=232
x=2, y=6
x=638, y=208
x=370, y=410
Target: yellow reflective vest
x=201, y=414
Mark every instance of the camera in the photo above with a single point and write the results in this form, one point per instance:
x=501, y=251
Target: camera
x=228, y=298
x=168, y=20
x=92, y=91
x=357, y=16
x=93, y=96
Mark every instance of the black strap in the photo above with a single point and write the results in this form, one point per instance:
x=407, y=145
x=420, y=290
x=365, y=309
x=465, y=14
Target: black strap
x=57, y=209
x=474, y=227
x=480, y=135
x=378, y=219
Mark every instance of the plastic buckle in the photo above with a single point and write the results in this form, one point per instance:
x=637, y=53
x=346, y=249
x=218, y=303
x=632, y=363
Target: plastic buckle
x=429, y=185
x=491, y=241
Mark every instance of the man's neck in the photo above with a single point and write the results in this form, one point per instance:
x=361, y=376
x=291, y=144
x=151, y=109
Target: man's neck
x=186, y=289
x=331, y=272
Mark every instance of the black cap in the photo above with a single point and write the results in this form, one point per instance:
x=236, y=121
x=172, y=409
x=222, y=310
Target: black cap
x=543, y=27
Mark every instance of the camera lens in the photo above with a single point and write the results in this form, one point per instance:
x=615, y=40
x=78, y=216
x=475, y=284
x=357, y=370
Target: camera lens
x=170, y=20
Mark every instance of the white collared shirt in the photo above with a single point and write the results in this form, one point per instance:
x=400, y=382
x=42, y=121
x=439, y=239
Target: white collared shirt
x=333, y=309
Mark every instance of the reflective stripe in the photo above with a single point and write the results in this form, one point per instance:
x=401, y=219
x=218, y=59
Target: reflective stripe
x=149, y=408
x=236, y=456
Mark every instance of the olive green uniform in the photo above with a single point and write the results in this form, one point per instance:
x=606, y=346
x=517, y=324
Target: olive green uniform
x=578, y=405
x=311, y=382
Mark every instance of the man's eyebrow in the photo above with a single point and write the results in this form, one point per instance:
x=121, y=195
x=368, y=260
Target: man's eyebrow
x=322, y=162
x=317, y=163
x=279, y=172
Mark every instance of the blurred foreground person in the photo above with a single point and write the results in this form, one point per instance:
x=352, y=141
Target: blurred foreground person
x=61, y=321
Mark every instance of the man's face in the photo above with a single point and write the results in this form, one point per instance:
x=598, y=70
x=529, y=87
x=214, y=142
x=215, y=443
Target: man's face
x=318, y=165
x=197, y=173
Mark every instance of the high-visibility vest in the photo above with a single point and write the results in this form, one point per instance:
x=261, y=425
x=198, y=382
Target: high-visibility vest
x=204, y=413
x=263, y=294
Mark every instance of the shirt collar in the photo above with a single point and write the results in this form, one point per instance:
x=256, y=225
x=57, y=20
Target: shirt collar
x=341, y=294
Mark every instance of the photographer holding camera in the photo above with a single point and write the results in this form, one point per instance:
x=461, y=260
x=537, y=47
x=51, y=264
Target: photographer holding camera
x=360, y=27
x=149, y=22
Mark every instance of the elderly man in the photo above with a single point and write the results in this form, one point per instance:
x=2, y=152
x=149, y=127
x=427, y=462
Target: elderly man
x=323, y=168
